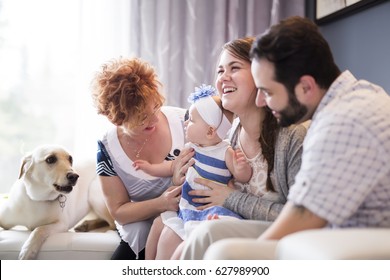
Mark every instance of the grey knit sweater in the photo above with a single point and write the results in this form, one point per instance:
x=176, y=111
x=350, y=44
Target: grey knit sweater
x=288, y=151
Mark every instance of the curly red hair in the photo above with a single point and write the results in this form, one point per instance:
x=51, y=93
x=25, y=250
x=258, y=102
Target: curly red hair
x=124, y=89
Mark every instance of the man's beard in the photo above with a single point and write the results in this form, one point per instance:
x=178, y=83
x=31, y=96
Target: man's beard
x=293, y=113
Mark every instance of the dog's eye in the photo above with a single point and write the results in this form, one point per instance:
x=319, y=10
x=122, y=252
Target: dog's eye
x=70, y=159
x=51, y=159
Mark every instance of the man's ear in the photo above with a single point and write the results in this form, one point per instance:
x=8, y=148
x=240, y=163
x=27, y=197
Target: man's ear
x=305, y=88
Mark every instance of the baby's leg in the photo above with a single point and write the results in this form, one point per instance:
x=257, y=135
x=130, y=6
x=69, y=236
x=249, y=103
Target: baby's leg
x=153, y=238
x=167, y=244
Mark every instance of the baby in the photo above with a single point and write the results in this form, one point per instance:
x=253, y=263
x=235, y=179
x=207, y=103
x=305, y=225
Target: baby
x=206, y=129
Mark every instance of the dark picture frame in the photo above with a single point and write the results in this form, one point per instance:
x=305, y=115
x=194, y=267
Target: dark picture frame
x=326, y=11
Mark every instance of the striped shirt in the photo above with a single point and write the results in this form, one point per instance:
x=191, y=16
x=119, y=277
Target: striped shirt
x=210, y=164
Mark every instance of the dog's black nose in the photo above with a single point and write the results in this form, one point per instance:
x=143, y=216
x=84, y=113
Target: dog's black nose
x=72, y=177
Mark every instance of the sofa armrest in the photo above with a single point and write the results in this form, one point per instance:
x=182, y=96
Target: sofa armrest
x=351, y=243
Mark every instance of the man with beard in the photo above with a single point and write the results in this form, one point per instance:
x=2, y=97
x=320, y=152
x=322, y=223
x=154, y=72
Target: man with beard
x=344, y=180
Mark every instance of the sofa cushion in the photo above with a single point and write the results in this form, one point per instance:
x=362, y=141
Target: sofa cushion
x=62, y=246
x=336, y=244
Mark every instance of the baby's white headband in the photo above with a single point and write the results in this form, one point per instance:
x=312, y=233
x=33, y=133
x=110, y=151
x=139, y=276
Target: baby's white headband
x=209, y=110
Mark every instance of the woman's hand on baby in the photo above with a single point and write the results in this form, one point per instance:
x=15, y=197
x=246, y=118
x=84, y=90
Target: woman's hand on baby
x=213, y=217
x=181, y=164
x=215, y=195
x=171, y=198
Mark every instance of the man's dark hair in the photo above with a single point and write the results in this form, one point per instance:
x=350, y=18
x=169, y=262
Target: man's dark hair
x=296, y=48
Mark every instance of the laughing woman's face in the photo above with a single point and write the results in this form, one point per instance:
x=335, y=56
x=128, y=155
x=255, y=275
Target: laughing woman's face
x=235, y=83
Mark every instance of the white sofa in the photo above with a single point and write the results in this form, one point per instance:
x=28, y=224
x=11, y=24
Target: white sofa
x=95, y=245
x=321, y=244
x=339, y=244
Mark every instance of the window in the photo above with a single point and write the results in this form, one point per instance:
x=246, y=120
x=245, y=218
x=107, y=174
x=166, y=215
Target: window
x=49, y=51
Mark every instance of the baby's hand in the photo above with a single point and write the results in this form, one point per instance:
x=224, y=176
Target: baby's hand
x=239, y=159
x=242, y=168
x=141, y=164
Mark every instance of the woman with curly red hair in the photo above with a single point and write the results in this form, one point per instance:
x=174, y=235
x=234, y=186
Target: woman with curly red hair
x=128, y=93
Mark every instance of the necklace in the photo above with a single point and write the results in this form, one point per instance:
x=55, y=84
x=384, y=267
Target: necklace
x=138, y=152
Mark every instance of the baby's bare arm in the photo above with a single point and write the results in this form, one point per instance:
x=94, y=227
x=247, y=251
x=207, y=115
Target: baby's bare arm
x=163, y=169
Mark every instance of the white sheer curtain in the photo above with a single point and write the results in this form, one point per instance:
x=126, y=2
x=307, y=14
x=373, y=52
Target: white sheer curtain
x=49, y=51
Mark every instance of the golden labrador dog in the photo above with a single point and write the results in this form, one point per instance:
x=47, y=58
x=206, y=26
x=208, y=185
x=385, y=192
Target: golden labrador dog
x=50, y=197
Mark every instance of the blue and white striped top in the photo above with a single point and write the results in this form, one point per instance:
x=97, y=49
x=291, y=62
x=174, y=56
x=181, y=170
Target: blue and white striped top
x=210, y=164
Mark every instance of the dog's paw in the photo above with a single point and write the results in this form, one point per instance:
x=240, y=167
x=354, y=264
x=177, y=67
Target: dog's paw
x=84, y=227
x=89, y=225
x=27, y=254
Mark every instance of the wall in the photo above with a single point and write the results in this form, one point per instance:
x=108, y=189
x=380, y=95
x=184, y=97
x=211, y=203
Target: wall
x=361, y=42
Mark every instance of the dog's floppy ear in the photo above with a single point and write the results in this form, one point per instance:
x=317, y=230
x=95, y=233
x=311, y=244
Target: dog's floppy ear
x=26, y=164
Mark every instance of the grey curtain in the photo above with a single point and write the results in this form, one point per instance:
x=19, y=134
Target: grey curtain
x=183, y=38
